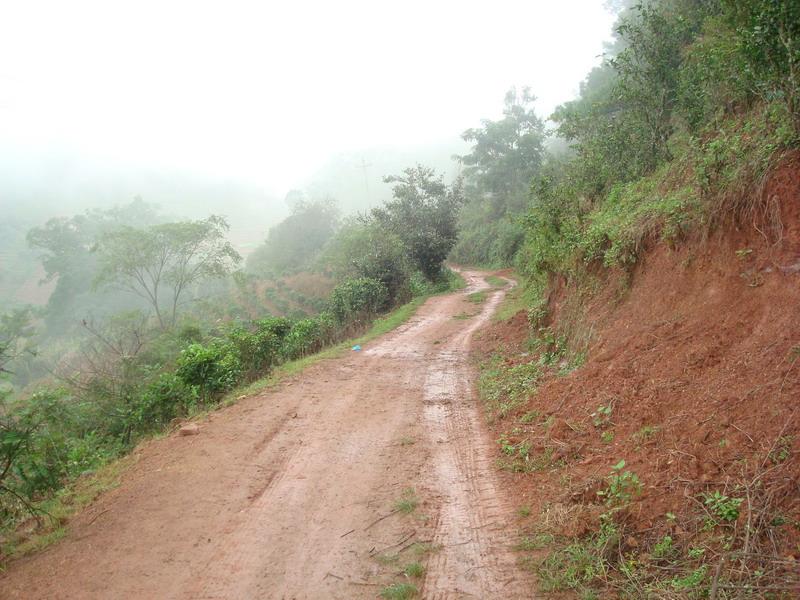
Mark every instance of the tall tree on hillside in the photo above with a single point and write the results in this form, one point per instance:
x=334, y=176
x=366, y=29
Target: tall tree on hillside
x=15, y=329
x=423, y=213
x=161, y=262
x=505, y=154
x=768, y=34
x=66, y=246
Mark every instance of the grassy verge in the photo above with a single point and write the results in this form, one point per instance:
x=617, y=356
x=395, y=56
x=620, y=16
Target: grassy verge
x=56, y=511
x=495, y=281
x=80, y=493
x=594, y=533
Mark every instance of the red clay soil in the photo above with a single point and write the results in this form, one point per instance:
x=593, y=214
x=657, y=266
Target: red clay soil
x=703, y=347
x=294, y=493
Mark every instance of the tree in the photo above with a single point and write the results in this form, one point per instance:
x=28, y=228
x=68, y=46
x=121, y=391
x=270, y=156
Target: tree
x=15, y=328
x=505, y=154
x=424, y=215
x=67, y=245
x=768, y=34
x=295, y=242
x=363, y=249
x=623, y=119
x=160, y=262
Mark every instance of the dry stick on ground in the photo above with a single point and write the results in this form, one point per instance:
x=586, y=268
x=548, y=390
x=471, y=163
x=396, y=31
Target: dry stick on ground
x=405, y=538
x=386, y=516
x=763, y=493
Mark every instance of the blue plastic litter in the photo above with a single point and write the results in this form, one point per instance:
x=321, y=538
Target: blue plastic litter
x=356, y=348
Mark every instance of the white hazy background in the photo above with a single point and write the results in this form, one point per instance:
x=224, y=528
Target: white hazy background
x=265, y=92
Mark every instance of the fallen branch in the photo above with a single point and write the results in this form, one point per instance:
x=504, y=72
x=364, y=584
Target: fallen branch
x=382, y=518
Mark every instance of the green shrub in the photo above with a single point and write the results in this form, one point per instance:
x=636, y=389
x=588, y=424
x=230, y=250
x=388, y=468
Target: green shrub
x=305, y=337
x=278, y=326
x=164, y=399
x=258, y=350
x=214, y=368
x=357, y=300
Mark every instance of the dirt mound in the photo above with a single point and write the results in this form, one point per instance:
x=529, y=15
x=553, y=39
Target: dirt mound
x=692, y=379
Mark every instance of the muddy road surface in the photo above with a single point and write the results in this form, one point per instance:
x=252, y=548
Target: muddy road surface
x=325, y=486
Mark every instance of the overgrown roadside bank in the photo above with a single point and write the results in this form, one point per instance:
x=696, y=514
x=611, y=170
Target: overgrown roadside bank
x=646, y=418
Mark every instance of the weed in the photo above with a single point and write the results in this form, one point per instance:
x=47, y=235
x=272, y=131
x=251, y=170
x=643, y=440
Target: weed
x=607, y=437
x=414, y=569
x=722, y=506
x=622, y=486
x=572, y=567
x=694, y=553
x=407, y=441
x=515, y=300
x=551, y=347
x=399, y=591
x=602, y=416
x=664, y=548
x=782, y=449
x=495, y=281
x=536, y=542
x=478, y=297
x=522, y=461
x=529, y=417
x=503, y=387
x=506, y=447
x=66, y=502
x=647, y=432
x=421, y=549
x=408, y=502
x=463, y=315
x=524, y=511
x=387, y=559
x=691, y=581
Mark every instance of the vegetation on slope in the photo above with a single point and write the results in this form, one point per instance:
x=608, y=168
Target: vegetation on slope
x=135, y=372
x=676, y=137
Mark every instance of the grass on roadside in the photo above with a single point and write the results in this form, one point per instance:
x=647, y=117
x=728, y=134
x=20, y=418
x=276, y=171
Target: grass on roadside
x=56, y=511
x=414, y=569
x=408, y=502
x=495, y=281
x=399, y=591
x=478, y=297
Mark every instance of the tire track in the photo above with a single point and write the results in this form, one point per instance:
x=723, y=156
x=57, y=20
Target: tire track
x=476, y=559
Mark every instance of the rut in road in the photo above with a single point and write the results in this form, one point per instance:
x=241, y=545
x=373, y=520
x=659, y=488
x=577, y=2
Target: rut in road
x=291, y=494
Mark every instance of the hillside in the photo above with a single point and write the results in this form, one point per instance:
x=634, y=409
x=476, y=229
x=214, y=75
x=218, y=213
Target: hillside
x=666, y=464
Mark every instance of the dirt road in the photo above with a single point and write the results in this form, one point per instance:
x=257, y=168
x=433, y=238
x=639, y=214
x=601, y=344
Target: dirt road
x=293, y=493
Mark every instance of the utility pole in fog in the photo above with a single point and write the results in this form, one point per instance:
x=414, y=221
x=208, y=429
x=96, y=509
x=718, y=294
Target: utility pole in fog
x=364, y=166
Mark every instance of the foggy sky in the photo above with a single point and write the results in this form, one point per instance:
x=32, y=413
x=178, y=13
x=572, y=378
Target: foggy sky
x=266, y=91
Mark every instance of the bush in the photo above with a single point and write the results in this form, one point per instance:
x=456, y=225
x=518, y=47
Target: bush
x=214, y=368
x=278, y=326
x=368, y=250
x=358, y=300
x=305, y=337
x=257, y=350
x=45, y=440
x=164, y=399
